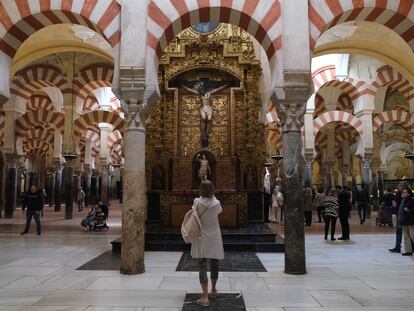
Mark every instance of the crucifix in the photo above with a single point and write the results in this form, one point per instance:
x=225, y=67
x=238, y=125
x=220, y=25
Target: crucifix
x=204, y=90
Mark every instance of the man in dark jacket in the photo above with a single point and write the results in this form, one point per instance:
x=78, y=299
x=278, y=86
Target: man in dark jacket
x=396, y=205
x=33, y=201
x=344, y=200
x=407, y=221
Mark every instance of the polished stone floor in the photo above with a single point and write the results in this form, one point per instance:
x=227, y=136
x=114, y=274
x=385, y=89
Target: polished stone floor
x=38, y=273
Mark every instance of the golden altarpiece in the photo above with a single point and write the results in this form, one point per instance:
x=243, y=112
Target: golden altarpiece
x=224, y=60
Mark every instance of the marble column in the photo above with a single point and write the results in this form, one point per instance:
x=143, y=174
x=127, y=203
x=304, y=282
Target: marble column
x=97, y=186
x=88, y=181
x=308, y=171
x=51, y=193
x=134, y=196
x=69, y=189
x=366, y=172
x=11, y=183
x=93, y=197
x=381, y=181
x=328, y=176
x=58, y=185
x=104, y=181
x=366, y=178
x=344, y=175
x=374, y=188
x=292, y=104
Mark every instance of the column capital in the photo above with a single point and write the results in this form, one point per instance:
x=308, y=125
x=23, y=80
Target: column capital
x=136, y=117
x=292, y=99
x=87, y=168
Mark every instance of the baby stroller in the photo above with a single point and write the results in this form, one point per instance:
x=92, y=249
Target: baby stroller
x=96, y=219
x=382, y=219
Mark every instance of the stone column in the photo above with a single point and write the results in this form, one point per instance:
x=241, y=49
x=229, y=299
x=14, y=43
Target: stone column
x=366, y=178
x=104, y=181
x=381, y=184
x=58, y=184
x=292, y=104
x=135, y=199
x=327, y=173
x=69, y=189
x=51, y=193
x=11, y=180
x=308, y=171
x=344, y=175
x=88, y=181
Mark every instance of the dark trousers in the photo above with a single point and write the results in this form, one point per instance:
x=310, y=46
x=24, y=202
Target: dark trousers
x=345, y=226
x=362, y=210
x=214, y=268
x=29, y=215
x=332, y=221
x=319, y=209
x=308, y=218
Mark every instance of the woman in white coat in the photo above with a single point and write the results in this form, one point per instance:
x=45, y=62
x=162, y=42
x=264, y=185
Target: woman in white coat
x=210, y=246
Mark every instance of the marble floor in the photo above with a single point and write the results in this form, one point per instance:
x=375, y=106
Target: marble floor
x=37, y=273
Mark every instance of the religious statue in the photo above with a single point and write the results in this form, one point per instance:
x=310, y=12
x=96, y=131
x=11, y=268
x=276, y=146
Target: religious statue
x=206, y=111
x=204, y=169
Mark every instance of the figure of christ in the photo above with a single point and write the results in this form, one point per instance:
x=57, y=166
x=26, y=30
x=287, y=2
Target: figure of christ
x=204, y=169
x=206, y=111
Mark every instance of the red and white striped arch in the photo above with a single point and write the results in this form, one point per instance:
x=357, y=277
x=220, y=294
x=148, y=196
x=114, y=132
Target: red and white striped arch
x=36, y=147
x=40, y=117
x=114, y=138
x=399, y=117
x=117, y=154
x=389, y=77
x=90, y=104
x=344, y=103
x=337, y=116
x=398, y=15
x=323, y=75
x=94, y=77
x=87, y=120
x=167, y=18
x=352, y=87
x=33, y=78
x=40, y=134
x=21, y=18
x=40, y=102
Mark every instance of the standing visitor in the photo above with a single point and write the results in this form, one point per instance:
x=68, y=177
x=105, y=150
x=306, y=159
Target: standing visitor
x=275, y=212
x=210, y=246
x=33, y=201
x=80, y=198
x=363, y=202
x=318, y=202
x=396, y=207
x=344, y=201
x=407, y=221
x=308, y=206
x=389, y=200
x=331, y=213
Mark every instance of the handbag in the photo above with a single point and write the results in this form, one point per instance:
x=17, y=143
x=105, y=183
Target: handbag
x=191, y=228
